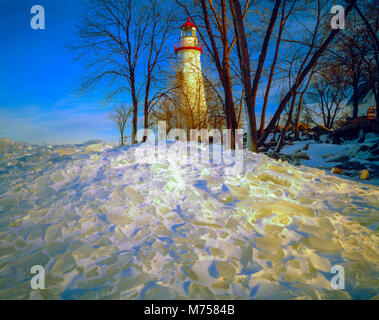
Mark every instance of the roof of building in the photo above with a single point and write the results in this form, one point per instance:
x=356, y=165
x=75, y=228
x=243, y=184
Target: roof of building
x=188, y=24
x=363, y=90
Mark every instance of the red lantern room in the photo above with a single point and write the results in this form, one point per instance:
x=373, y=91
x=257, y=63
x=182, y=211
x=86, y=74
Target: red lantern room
x=188, y=29
x=188, y=39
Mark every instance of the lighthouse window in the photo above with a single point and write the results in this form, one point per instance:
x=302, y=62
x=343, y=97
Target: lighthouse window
x=189, y=32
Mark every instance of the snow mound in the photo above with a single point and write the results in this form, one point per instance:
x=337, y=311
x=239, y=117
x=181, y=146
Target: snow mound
x=106, y=225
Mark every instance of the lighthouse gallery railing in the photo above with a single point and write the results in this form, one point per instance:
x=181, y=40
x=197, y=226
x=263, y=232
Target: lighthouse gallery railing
x=199, y=47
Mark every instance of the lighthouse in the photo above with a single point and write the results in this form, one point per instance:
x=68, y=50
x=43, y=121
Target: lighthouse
x=188, y=51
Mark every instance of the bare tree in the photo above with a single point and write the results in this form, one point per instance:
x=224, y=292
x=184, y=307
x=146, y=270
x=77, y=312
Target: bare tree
x=303, y=73
x=353, y=59
x=113, y=37
x=120, y=116
x=328, y=92
x=157, y=35
x=357, y=51
x=288, y=8
x=294, y=89
x=243, y=55
x=300, y=104
x=282, y=23
x=370, y=45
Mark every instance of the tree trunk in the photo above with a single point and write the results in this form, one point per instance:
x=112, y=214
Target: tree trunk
x=243, y=55
x=231, y=122
x=355, y=96
x=271, y=75
x=146, y=110
x=224, y=75
x=283, y=135
x=146, y=123
x=296, y=136
x=135, y=112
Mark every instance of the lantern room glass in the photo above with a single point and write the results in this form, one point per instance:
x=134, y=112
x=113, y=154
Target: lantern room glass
x=188, y=32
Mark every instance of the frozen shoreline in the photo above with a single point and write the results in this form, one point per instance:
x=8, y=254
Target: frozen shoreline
x=106, y=226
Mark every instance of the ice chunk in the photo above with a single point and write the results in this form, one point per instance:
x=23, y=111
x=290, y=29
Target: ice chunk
x=98, y=147
x=64, y=264
x=323, y=244
x=197, y=291
x=54, y=247
x=133, y=195
x=226, y=269
x=53, y=232
x=131, y=282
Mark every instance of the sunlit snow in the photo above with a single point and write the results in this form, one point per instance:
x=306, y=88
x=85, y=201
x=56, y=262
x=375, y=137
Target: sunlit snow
x=108, y=226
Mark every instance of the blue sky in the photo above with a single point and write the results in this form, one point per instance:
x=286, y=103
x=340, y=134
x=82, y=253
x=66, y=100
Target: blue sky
x=39, y=79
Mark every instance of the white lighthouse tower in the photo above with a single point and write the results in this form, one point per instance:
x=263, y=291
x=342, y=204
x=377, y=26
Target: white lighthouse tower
x=188, y=52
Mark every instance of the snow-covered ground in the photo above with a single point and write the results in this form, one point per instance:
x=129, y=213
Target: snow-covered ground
x=105, y=225
x=328, y=155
